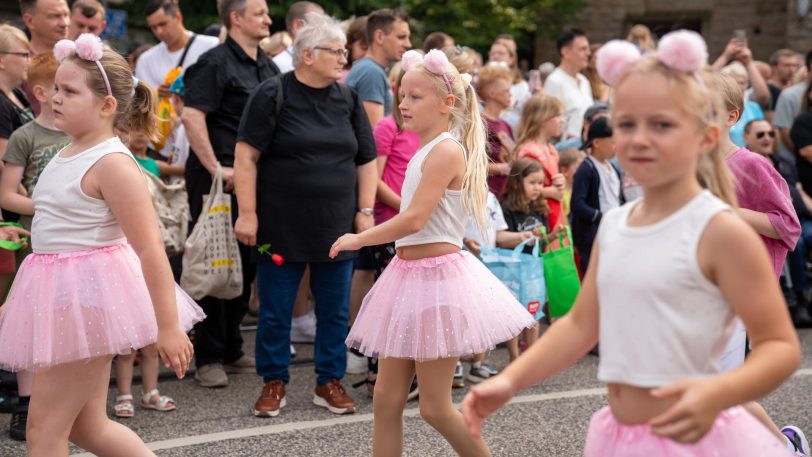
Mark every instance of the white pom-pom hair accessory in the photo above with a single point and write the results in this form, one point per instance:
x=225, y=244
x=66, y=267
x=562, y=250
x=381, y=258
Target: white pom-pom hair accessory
x=435, y=61
x=683, y=50
x=614, y=59
x=86, y=47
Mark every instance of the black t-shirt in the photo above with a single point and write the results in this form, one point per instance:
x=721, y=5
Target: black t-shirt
x=801, y=136
x=774, y=93
x=219, y=84
x=523, y=222
x=12, y=116
x=306, y=174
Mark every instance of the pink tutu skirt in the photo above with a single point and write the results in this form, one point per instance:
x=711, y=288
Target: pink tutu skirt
x=735, y=433
x=435, y=308
x=79, y=305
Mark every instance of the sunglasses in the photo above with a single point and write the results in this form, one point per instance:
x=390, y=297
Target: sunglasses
x=760, y=135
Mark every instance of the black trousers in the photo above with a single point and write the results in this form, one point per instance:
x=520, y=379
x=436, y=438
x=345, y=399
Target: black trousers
x=218, y=338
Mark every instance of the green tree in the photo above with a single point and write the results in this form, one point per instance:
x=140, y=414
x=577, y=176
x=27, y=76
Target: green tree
x=473, y=23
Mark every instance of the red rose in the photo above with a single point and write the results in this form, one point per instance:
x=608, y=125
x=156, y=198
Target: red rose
x=277, y=259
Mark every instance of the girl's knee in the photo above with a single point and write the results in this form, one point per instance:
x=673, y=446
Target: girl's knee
x=435, y=413
x=388, y=403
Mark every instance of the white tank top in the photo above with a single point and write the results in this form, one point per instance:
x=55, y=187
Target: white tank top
x=65, y=218
x=661, y=319
x=447, y=222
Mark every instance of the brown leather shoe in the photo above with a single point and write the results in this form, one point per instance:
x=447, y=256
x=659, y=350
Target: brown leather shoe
x=333, y=397
x=271, y=400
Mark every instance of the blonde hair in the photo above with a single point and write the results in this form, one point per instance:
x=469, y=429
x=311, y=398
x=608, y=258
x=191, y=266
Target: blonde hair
x=730, y=92
x=9, y=33
x=641, y=35
x=135, y=107
x=466, y=123
x=460, y=59
x=706, y=107
x=537, y=110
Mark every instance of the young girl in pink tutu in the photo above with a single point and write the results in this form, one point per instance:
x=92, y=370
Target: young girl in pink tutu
x=434, y=302
x=86, y=294
x=668, y=275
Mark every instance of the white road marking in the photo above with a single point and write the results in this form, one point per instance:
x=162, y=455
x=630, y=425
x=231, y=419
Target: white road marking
x=353, y=419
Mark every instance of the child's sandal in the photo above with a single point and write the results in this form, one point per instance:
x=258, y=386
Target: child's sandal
x=163, y=403
x=124, y=407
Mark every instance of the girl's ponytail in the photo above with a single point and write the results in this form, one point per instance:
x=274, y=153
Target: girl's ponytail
x=474, y=182
x=140, y=114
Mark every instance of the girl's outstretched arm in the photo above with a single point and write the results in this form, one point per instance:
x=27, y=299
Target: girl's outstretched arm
x=444, y=163
x=562, y=344
x=117, y=179
x=732, y=256
x=10, y=198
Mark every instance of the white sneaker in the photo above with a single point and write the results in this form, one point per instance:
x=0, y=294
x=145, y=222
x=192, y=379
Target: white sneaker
x=303, y=329
x=356, y=364
x=292, y=351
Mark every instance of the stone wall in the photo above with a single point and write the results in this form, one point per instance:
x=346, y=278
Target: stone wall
x=770, y=24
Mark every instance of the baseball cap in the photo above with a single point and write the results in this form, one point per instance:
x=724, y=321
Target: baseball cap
x=599, y=128
x=595, y=109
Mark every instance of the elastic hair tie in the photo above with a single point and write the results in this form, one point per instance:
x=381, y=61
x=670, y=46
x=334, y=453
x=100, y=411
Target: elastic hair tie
x=86, y=47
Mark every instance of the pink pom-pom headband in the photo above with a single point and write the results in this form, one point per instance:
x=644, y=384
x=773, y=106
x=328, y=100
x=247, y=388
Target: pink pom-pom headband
x=87, y=47
x=683, y=50
x=435, y=61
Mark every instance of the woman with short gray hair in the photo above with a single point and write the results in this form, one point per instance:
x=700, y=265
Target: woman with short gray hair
x=304, y=174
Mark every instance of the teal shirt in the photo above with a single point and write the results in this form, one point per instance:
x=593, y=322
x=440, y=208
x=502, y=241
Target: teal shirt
x=149, y=164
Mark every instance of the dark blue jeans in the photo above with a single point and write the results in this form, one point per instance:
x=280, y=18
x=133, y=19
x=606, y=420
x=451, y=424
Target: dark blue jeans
x=796, y=260
x=330, y=284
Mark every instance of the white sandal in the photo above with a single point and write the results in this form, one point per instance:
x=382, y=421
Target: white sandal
x=124, y=406
x=164, y=403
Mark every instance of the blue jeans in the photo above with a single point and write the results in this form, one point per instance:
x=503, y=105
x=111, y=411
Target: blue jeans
x=330, y=284
x=796, y=260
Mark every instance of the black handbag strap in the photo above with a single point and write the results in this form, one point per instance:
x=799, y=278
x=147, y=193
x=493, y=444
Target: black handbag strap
x=186, y=50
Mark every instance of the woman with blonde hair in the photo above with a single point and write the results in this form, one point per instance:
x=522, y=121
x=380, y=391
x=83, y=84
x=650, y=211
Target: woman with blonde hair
x=640, y=36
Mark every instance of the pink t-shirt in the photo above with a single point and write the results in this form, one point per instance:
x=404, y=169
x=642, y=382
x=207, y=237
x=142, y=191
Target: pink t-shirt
x=759, y=187
x=398, y=148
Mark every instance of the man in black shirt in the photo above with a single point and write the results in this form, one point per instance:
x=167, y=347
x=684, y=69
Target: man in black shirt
x=217, y=88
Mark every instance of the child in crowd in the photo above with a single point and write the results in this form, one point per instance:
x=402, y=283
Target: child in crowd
x=434, y=302
x=596, y=188
x=497, y=233
x=569, y=160
x=139, y=144
x=493, y=89
x=541, y=122
x=766, y=205
x=395, y=147
x=124, y=407
x=678, y=253
x=525, y=213
x=91, y=201
x=29, y=150
x=179, y=151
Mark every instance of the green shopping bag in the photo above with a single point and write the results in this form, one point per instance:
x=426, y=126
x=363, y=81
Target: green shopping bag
x=560, y=273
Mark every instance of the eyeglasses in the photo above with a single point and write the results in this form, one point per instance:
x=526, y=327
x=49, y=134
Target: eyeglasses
x=339, y=53
x=760, y=135
x=25, y=54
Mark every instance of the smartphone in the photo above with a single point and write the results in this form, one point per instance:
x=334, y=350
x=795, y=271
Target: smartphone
x=534, y=80
x=740, y=34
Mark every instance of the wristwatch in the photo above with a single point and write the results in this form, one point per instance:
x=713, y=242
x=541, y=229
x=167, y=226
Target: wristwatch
x=365, y=211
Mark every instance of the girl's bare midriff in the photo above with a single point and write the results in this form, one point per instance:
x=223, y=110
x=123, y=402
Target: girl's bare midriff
x=421, y=251
x=635, y=405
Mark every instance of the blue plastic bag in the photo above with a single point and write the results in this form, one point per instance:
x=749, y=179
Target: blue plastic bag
x=522, y=273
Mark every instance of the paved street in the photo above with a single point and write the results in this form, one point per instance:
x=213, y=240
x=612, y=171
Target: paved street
x=547, y=420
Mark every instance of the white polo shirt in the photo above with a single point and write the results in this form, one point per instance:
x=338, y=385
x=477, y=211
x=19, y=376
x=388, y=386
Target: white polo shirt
x=576, y=96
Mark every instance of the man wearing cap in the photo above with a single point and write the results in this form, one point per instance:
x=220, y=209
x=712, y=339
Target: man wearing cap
x=595, y=188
